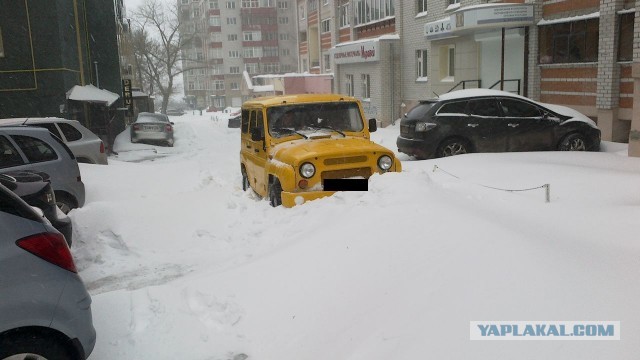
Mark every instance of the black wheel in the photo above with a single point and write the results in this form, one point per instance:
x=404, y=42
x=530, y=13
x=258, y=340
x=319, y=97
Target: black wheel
x=245, y=181
x=65, y=202
x=453, y=146
x=34, y=346
x=275, y=193
x=573, y=142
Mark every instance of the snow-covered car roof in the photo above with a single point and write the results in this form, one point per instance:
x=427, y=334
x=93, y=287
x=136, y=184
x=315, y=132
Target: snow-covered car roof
x=559, y=109
x=152, y=117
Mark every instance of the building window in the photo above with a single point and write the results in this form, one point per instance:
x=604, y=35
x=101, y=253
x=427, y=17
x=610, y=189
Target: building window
x=567, y=42
x=447, y=62
x=251, y=68
x=234, y=54
x=366, y=86
x=326, y=25
x=421, y=63
x=231, y=21
x=199, y=56
x=214, y=21
x=196, y=12
x=283, y=4
x=327, y=62
x=422, y=6
x=252, y=52
x=344, y=15
x=232, y=37
x=284, y=36
x=349, y=85
x=1, y=44
x=373, y=10
x=213, y=4
x=303, y=15
x=283, y=20
x=235, y=86
x=218, y=84
x=192, y=85
x=251, y=35
x=302, y=36
x=453, y=2
x=231, y=4
x=215, y=53
x=216, y=69
x=313, y=5
x=270, y=51
x=234, y=69
x=218, y=102
x=285, y=52
x=266, y=3
x=625, y=45
x=452, y=61
x=215, y=36
x=249, y=3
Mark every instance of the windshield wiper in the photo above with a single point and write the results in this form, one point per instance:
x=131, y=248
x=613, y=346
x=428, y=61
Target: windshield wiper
x=291, y=131
x=328, y=128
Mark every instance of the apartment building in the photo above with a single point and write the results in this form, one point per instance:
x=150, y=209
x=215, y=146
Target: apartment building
x=232, y=40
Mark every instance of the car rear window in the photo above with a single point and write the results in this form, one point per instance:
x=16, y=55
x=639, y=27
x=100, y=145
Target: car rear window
x=9, y=155
x=70, y=133
x=420, y=110
x=34, y=149
x=49, y=126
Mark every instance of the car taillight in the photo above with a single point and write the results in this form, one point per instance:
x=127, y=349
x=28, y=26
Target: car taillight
x=101, y=147
x=49, y=247
x=136, y=127
x=169, y=128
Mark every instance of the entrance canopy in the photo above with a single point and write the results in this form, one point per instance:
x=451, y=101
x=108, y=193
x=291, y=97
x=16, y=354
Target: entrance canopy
x=92, y=94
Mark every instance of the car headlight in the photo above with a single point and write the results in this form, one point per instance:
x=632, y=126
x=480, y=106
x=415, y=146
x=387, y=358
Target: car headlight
x=307, y=170
x=385, y=162
x=422, y=126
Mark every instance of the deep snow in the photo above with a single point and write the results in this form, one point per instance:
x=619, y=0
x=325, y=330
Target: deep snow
x=181, y=263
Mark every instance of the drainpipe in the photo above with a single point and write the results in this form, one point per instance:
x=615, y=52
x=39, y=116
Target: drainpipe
x=97, y=76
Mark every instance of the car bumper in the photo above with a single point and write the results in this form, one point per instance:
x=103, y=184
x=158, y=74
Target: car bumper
x=417, y=147
x=291, y=199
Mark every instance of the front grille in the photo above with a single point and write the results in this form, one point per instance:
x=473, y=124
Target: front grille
x=407, y=131
x=347, y=173
x=345, y=160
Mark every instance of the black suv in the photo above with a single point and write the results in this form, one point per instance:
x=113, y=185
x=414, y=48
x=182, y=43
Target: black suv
x=482, y=120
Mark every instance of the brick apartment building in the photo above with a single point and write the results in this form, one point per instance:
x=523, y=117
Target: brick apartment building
x=392, y=53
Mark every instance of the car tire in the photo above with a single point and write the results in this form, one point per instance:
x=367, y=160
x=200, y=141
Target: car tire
x=275, y=193
x=573, y=142
x=65, y=202
x=245, y=181
x=34, y=346
x=453, y=146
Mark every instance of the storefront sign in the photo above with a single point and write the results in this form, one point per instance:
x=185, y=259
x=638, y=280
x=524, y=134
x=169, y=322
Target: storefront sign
x=439, y=29
x=356, y=53
x=127, y=96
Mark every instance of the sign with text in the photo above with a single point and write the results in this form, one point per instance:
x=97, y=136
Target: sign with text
x=356, y=53
x=127, y=96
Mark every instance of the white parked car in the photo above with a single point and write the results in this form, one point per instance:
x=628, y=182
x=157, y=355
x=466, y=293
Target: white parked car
x=85, y=145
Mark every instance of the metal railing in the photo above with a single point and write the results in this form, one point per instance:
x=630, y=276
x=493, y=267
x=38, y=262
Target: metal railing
x=508, y=80
x=464, y=84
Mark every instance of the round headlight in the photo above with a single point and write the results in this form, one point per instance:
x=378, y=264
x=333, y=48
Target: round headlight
x=307, y=170
x=385, y=162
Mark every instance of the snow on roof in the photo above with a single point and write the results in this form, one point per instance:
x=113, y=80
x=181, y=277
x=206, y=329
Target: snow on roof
x=262, y=88
x=627, y=11
x=90, y=93
x=136, y=93
x=383, y=37
x=569, y=19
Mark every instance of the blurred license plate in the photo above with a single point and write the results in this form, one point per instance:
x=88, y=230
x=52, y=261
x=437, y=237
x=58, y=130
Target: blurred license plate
x=149, y=128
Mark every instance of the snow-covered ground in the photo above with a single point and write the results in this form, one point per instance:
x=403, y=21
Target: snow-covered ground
x=182, y=264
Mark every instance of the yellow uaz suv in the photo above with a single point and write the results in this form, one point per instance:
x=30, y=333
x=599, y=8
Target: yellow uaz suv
x=297, y=148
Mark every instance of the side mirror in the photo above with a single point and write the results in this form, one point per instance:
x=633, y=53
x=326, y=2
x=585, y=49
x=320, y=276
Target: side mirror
x=256, y=134
x=373, y=125
x=172, y=123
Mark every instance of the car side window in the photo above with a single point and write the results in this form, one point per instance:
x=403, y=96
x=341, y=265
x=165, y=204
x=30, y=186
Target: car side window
x=517, y=108
x=70, y=133
x=484, y=107
x=51, y=127
x=9, y=155
x=34, y=149
x=456, y=107
x=245, y=121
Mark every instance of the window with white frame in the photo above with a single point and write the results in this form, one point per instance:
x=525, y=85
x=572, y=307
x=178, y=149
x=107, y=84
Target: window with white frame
x=349, y=84
x=283, y=5
x=421, y=63
x=251, y=35
x=232, y=37
x=313, y=5
x=421, y=6
x=270, y=51
x=215, y=37
x=447, y=62
x=285, y=52
x=234, y=69
x=249, y=3
x=283, y=20
x=218, y=84
x=231, y=4
x=213, y=4
x=214, y=21
x=325, y=26
x=303, y=14
x=344, y=15
x=234, y=86
x=267, y=3
x=327, y=62
x=366, y=86
x=271, y=68
x=252, y=52
x=185, y=2
x=219, y=102
x=215, y=53
x=284, y=36
x=373, y=10
x=252, y=68
x=231, y=21
x=216, y=70
x=192, y=85
x=196, y=12
x=234, y=54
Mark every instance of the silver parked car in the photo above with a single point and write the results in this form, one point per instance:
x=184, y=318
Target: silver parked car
x=34, y=148
x=85, y=145
x=152, y=128
x=45, y=309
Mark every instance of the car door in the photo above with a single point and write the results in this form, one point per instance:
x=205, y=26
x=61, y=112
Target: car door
x=486, y=127
x=528, y=129
x=256, y=153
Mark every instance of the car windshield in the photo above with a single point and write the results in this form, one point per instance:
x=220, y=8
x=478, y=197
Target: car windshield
x=307, y=118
